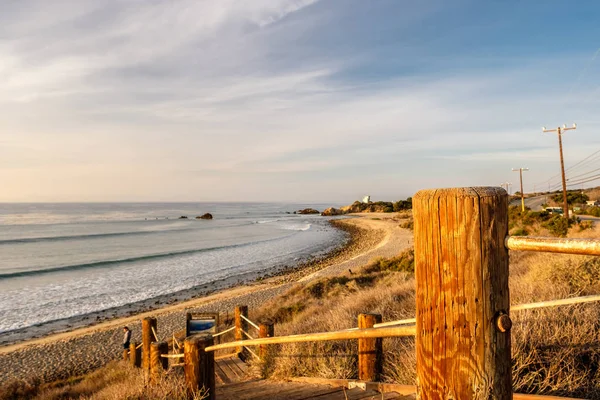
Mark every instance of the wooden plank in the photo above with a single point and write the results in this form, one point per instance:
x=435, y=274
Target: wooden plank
x=322, y=336
x=236, y=373
x=462, y=288
x=241, y=366
x=220, y=375
x=231, y=373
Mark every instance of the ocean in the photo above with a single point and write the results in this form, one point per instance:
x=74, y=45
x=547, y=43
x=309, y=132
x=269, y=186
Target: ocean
x=59, y=261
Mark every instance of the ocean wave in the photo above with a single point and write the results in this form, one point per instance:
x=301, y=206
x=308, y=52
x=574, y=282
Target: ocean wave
x=88, y=236
x=296, y=227
x=127, y=260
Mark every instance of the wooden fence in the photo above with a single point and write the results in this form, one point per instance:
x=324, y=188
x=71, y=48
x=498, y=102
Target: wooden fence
x=462, y=325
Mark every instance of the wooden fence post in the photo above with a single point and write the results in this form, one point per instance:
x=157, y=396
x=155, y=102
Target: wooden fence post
x=135, y=354
x=199, y=366
x=370, y=351
x=158, y=363
x=265, y=330
x=188, y=317
x=240, y=325
x=462, y=294
x=147, y=338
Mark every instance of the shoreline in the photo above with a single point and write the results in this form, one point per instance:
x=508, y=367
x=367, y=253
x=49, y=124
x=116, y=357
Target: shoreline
x=96, y=318
x=81, y=347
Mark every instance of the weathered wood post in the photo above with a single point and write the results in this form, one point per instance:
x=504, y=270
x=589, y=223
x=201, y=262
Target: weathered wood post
x=199, y=365
x=188, y=317
x=157, y=363
x=462, y=294
x=135, y=354
x=370, y=351
x=240, y=325
x=147, y=338
x=264, y=331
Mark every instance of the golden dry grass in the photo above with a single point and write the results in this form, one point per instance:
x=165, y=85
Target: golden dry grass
x=117, y=380
x=555, y=351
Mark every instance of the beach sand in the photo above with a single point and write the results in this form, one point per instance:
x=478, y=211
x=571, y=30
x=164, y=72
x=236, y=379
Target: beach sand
x=62, y=355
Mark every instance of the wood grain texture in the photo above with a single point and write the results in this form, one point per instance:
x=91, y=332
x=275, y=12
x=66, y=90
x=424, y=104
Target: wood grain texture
x=199, y=366
x=241, y=325
x=135, y=354
x=322, y=336
x=265, y=331
x=147, y=338
x=462, y=286
x=370, y=351
x=158, y=364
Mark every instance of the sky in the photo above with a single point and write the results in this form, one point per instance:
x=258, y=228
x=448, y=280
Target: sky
x=290, y=100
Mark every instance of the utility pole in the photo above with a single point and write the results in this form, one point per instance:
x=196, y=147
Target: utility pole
x=560, y=131
x=522, y=194
x=505, y=186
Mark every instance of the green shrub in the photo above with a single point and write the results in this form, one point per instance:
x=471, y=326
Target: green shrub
x=403, y=204
x=405, y=262
x=594, y=211
x=558, y=226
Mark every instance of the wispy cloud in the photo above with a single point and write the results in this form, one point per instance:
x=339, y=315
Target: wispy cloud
x=265, y=99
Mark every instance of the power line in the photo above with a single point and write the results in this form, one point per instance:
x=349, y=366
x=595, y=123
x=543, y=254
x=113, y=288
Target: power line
x=590, y=159
x=559, y=131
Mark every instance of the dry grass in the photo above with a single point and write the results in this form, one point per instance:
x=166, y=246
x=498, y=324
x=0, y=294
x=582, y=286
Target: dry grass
x=117, y=380
x=555, y=351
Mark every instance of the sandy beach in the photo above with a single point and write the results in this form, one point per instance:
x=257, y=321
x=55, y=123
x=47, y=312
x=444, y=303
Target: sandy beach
x=79, y=351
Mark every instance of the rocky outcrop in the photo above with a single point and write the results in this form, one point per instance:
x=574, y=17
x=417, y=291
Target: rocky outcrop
x=308, y=211
x=183, y=217
x=332, y=211
x=205, y=216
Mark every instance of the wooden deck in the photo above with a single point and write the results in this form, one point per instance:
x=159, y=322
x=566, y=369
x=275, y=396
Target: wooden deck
x=264, y=389
x=230, y=370
x=233, y=382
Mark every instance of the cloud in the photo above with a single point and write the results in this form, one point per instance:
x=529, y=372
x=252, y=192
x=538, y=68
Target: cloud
x=252, y=98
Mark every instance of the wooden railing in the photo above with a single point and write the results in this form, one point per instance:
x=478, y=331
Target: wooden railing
x=462, y=324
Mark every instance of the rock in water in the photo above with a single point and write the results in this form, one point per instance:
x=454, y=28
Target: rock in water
x=182, y=217
x=331, y=211
x=205, y=216
x=308, y=211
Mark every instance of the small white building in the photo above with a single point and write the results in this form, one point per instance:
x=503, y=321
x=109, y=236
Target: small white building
x=593, y=203
x=366, y=199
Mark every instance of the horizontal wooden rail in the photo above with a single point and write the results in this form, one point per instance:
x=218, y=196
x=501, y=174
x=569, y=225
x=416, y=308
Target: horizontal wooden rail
x=553, y=303
x=590, y=247
x=250, y=322
x=171, y=355
x=224, y=332
x=321, y=336
x=520, y=307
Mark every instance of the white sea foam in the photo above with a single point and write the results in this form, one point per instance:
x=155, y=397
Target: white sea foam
x=236, y=247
